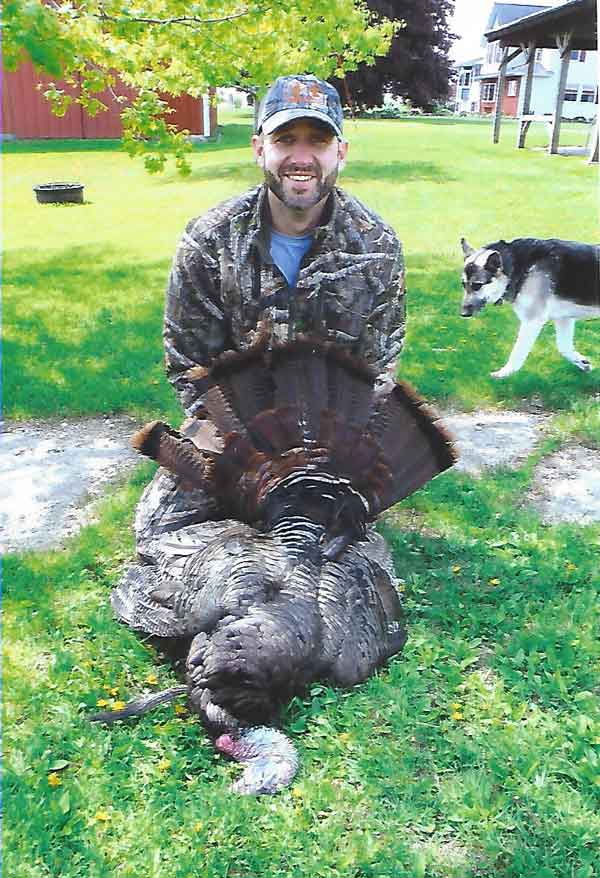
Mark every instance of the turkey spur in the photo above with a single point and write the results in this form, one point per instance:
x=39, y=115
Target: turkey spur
x=299, y=451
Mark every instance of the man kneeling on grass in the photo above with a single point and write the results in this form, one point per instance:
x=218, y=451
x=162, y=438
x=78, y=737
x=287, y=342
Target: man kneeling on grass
x=296, y=251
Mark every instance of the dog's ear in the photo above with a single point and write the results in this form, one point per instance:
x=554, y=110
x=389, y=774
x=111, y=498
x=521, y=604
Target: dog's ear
x=493, y=263
x=466, y=247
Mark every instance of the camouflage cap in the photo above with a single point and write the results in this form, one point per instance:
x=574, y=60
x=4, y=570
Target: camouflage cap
x=300, y=97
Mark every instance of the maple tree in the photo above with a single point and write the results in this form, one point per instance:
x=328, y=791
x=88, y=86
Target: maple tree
x=170, y=47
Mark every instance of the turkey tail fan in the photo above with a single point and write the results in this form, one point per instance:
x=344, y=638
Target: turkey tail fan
x=237, y=385
x=219, y=398
x=277, y=430
x=414, y=446
x=316, y=376
x=221, y=407
x=300, y=375
x=307, y=375
x=350, y=390
x=303, y=406
x=246, y=381
x=177, y=454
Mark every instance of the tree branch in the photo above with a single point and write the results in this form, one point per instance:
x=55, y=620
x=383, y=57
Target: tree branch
x=187, y=21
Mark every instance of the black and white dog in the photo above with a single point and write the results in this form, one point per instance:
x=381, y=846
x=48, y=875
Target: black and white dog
x=543, y=280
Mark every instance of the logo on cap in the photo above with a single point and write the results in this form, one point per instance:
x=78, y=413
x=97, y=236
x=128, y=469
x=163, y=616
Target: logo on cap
x=304, y=94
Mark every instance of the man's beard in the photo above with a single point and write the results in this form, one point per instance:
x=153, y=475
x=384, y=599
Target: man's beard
x=301, y=201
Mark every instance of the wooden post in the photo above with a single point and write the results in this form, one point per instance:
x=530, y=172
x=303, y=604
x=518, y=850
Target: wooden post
x=499, y=93
x=506, y=58
x=563, y=44
x=593, y=157
x=529, y=53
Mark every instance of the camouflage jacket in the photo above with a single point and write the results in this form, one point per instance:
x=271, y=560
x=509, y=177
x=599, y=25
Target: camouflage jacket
x=223, y=282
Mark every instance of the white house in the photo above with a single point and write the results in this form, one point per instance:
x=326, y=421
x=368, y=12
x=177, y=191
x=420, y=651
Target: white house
x=465, y=98
x=581, y=95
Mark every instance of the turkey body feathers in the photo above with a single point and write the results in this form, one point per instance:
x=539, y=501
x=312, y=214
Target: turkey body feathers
x=269, y=614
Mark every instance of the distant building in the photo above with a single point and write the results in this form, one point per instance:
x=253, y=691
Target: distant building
x=465, y=91
x=478, y=92
x=237, y=98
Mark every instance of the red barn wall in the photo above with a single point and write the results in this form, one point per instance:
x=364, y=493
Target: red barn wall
x=26, y=113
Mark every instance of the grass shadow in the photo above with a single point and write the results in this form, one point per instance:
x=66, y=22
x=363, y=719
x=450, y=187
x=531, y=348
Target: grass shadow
x=396, y=172
x=233, y=135
x=48, y=145
x=243, y=173
x=246, y=173
x=93, y=344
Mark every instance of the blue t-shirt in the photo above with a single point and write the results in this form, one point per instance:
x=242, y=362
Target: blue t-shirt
x=287, y=253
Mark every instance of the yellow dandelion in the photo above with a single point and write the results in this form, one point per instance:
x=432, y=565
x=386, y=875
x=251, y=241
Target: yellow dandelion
x=570, y=566
x=118, y=705
x=456, y=715
x=456, y=705
x=457, y=568
x=102, y=702
x=164, y=764
x=101, y=816
x=106, y=687
x=54, y=780
x=493, y=582
x=296, y=793
x=198, y=826
x=180, y=710
x=152, y=679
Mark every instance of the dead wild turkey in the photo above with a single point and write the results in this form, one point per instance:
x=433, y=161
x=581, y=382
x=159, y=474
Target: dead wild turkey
x=300, y=451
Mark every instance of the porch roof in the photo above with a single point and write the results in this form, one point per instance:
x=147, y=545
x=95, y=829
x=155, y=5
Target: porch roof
x=579, y=17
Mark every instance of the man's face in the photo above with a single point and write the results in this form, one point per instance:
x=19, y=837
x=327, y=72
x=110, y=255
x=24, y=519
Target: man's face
x=301, y=161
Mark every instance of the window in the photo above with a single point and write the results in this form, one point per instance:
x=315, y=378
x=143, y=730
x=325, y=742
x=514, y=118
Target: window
x=588, y=94
x=464, y=94
x=570, y=94
x=493, y=53
x=538, y=54
x=578, y=55
x=465, y=78
x=473, y=106
x=488, y=91
x=511, y=88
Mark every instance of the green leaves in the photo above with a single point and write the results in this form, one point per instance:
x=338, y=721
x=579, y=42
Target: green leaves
x=164, y=47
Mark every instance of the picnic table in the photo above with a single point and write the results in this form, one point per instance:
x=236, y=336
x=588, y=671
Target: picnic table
x=525, y=121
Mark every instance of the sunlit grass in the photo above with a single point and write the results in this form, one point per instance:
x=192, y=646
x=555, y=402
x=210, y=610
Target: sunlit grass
x=475, y=753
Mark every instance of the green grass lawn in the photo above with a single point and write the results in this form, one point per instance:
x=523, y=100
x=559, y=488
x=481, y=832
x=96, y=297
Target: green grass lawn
x=475, y=753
